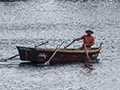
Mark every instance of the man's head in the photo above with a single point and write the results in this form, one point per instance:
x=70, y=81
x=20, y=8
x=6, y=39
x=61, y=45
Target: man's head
x=89, y=32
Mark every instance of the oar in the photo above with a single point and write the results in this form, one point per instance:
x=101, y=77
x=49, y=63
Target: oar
x=41, y=44
x=48, y=62
x=18, y=54
x=10, y=57
x=86, y=51
x=69, y=44
x=88, y=58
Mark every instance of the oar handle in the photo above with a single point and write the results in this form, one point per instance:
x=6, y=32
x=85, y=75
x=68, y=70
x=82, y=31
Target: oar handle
x=41, y=44
x=69, y=44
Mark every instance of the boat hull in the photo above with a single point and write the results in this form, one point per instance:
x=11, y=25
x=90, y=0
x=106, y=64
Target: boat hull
x=40, y=55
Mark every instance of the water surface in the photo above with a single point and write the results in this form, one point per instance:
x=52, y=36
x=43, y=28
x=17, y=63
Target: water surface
x=26, y=23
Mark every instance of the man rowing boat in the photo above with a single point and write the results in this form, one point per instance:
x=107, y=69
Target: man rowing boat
x=88, y=39
x=88, y=42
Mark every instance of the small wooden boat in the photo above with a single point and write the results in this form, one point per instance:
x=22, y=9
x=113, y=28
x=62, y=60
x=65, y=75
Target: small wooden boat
x=41, y=55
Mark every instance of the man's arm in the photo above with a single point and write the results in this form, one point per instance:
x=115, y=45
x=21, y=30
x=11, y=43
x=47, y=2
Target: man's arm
x=89, y=44
x=77, y=39
x=82, y=37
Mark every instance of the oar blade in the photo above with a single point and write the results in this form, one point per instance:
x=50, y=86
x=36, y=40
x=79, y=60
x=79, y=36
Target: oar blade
x=47, y=63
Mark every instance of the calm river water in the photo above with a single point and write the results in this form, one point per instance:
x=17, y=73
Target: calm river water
x=30, y=22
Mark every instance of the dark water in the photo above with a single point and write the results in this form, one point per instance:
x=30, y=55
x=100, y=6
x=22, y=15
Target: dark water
x=31, y=22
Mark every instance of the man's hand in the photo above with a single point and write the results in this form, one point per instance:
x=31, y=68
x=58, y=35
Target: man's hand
x=74, y=40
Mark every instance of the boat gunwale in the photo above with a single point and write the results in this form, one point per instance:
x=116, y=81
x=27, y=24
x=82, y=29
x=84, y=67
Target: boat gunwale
x=70, y=50
x=62, y=50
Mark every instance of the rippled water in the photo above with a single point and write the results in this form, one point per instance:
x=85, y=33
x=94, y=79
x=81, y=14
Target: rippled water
x=31, y=22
